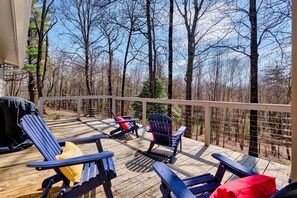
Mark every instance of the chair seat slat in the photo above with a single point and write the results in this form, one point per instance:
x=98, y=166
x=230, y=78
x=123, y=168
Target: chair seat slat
x=85, y=173
x=199, y=179
x=93, y=170
x=205, y=188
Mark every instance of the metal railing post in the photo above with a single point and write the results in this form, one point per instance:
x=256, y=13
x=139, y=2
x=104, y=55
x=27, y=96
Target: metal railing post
x=41, y=107
x=78, y=108
x=207, y=125
x=144, y=113
x=113, y=101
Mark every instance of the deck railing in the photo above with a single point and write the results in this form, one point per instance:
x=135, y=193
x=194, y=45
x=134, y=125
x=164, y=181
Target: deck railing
x=222, y=123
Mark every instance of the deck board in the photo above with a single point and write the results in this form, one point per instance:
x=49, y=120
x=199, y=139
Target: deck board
x=135, y=177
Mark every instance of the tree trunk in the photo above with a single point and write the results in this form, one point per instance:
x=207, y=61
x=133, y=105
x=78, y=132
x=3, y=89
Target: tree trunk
x=125, y=65
x=170, y=57
x=31, y=87
x=191, y=32
x=150, y=49
x=253, y=146
x=39, y=49
x=45, y=61
x=89, y=91
x=38, y=65
x=31, y=79
x=189, y=79
x=155, y=54
x=110, y=53
x=61, y=82
x=41, y=32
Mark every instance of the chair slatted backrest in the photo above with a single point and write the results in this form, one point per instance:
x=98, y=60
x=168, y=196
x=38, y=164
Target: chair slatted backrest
x=41, y=136
x=161, y=126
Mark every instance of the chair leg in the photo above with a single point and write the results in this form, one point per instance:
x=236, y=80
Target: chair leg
x=56, y=178
x=136, y=132
x=99, y=146
x=105, y=180
x=107, y=189
x=48, y=188
x=165, y=191
x=175, y=150
x=171, y=159
x=151, y=147
x=173, y=154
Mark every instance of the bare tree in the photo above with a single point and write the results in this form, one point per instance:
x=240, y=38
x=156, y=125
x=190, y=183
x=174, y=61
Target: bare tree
x=110, y=32
x=43, y=26
x=30, y=66
x=170, y=53
x=193, y=12
x=80, y=19
x=150, y=49
x=244, y=17
x=131, y=24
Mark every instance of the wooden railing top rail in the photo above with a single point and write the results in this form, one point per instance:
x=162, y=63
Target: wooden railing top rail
x=74, y=97
x=232, y=105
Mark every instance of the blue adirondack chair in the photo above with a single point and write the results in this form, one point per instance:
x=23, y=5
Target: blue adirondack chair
x=289, y=191
x=98, y=168
x=203, y=185
x=127, y=124
x=161, y=128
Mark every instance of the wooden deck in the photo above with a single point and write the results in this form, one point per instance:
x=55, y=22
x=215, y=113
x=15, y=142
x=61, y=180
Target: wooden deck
x=135, y=178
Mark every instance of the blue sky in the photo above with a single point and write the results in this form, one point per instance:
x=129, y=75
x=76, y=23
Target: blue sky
x=268, y=54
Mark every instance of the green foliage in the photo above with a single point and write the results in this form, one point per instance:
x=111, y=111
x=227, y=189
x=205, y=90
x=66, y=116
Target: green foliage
x=197, y=127
x=32, y=26
x=176, y=113
x=159, y=93
x=155, y=107
x=159, y=89
x=276, y=75
x=30, y=67
x=32, y=52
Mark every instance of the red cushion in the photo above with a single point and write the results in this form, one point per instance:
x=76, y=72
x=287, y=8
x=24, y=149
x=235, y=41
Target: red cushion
x=259, y=186
x=124, y=125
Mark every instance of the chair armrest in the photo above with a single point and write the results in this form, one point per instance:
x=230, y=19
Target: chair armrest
x=172, y=181
x=71, y=161
x=288, y=191
x=180, y=131
x=132, y=120
x=127, y=117
x=148, y=129
x=234, y=167
x=83, y=140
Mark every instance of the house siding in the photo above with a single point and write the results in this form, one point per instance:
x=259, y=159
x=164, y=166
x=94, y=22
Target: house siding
x=1, y=82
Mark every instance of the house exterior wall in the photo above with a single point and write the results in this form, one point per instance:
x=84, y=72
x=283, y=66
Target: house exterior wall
x=2, y=91
x=294, y=92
